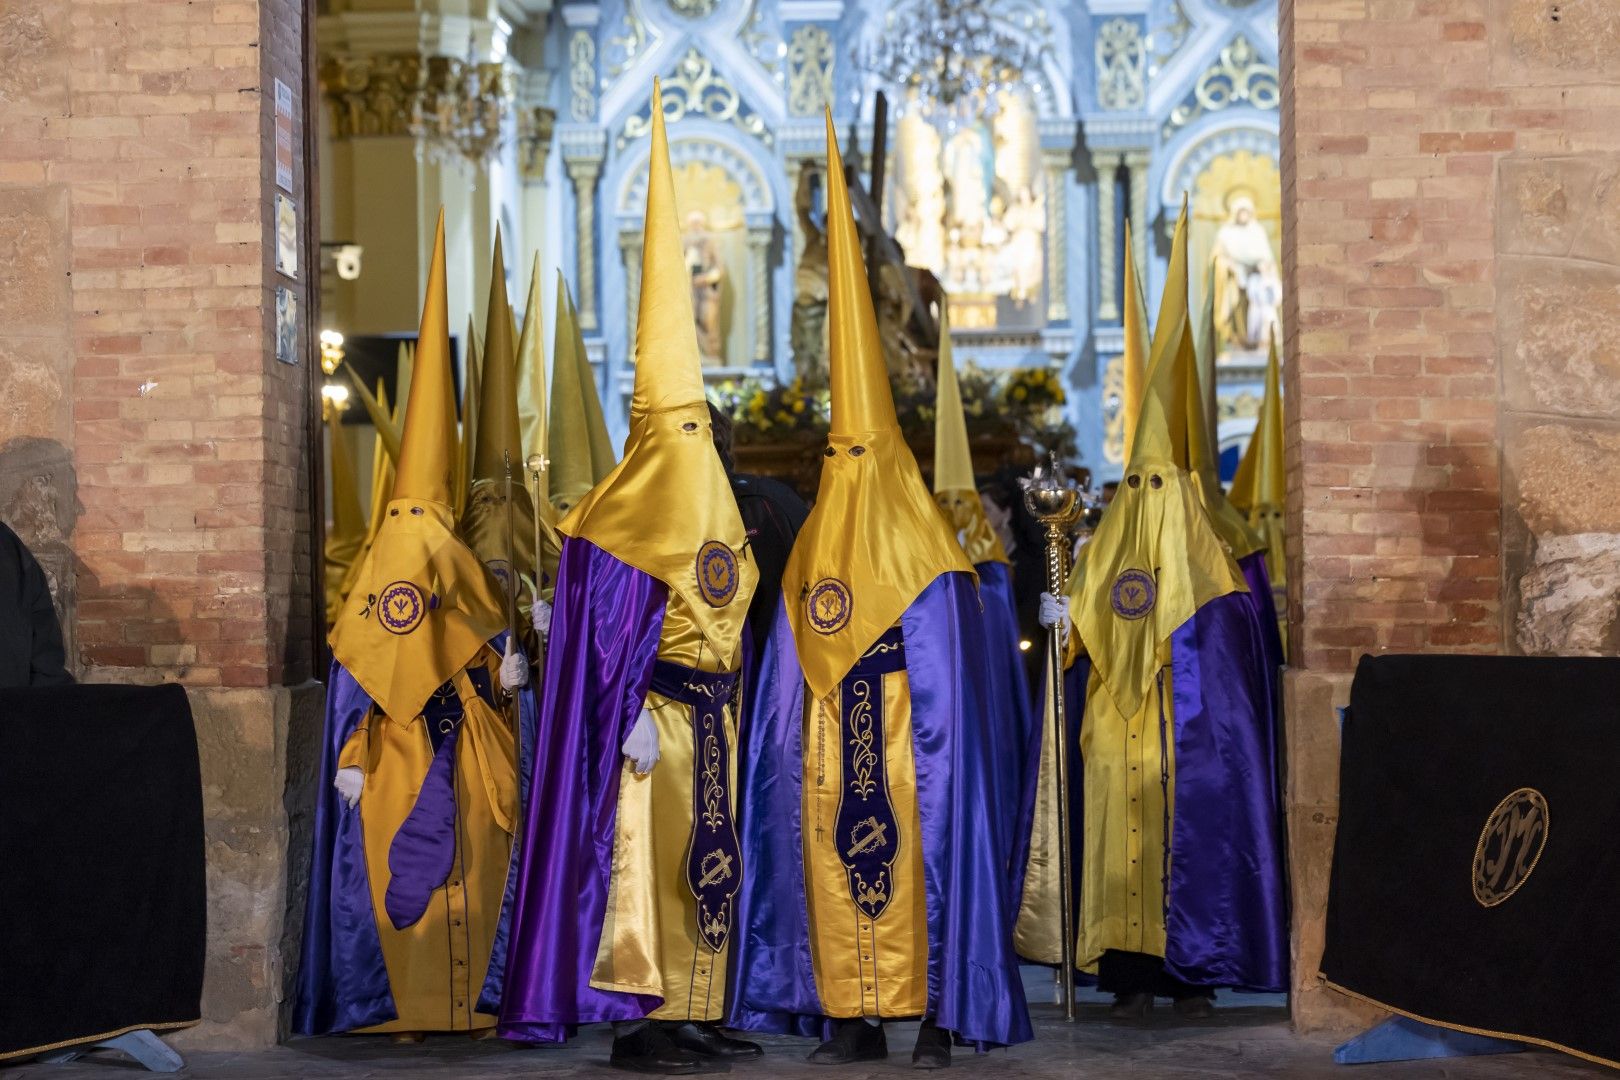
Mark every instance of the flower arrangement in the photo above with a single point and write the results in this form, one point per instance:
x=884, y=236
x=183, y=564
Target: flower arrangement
x=1023, y=403
x=767, y=412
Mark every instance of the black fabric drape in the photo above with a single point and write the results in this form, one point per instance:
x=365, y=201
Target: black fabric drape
x=773, y=514
x=30, y=637
x=102, y=905
x=1433, y=746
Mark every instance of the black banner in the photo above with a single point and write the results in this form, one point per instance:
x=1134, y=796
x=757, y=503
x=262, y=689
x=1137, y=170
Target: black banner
x=103, y=913
x=1475, y=876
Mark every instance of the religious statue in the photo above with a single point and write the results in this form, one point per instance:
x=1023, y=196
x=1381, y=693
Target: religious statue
x=708, y=273
x=808, y=332
x=965, y=172
x=1248, y=289
x=1026, y=224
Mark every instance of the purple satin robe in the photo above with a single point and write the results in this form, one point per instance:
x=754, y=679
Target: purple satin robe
x=599, y=664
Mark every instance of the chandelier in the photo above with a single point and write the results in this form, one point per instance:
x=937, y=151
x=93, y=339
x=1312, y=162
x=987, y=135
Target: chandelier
x=462, y=114
x=953, y=59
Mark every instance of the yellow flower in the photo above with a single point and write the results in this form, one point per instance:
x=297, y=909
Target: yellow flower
x=798, y=406
x=1019, y=393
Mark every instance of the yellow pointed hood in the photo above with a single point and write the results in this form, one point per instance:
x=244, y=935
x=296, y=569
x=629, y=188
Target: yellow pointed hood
x=1202, y=459
x=696, y=545
x=422, y=605
x=471, y=391
x=387, y=430
x=1154, y=559
x=955, y=490
x=875, y=539
x=382, y=490
x=1260, y=488
x=348, y=532
x=580, y=450
x=499, y=434
x=1136, y=343
x=498, y=445
x=567, y=441
x=531, y=360
x=1261, y=478
x=603, y=456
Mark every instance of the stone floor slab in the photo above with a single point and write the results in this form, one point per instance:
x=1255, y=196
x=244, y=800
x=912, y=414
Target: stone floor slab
x=1242, y=1042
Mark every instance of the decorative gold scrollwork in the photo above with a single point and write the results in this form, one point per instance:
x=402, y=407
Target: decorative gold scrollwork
x=810, y=70
x=1238, y=77
x=696, y=89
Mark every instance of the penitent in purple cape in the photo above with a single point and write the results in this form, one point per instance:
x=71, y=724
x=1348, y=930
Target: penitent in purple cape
x=599, y=666
x=962, y=791
x=1227, y=923
x=1016, y=721
x=342, y=982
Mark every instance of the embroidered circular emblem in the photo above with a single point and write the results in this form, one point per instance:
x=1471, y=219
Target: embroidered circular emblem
x=400, y=607
x=501, y=569
x=829, y=605
x=717, y=573
x=1133, y=595
x=1510, y=846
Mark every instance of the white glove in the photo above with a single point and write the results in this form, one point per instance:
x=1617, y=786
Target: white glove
x=514, y=669
x=642, y=745
x=349, y=781
x=1055, y=612
x=540, y=613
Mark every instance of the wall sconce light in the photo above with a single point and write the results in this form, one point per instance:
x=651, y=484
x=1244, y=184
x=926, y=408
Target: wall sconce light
x=333, y=396
x=331, y=354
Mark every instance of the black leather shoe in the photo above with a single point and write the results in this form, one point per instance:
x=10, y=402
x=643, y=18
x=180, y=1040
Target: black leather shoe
x=1131, y=1008
x=933, y=1050
x=1197, y=1007
x=706, y=1039
x=648, y=1049
x=856, y=1041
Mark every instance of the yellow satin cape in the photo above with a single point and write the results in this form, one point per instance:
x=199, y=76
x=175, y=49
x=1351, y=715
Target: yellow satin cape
x=875, y=539
x=422, y=605
x=1155, y=559
x=669, y=501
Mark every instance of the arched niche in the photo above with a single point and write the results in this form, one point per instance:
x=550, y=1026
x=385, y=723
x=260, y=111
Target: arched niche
x=728, y=187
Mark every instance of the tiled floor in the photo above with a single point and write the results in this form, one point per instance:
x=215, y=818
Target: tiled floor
x=1245, y=1040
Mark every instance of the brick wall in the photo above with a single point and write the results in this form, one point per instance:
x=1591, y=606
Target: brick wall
x=1451, y=220
x=137, y=333
x=1423, y=341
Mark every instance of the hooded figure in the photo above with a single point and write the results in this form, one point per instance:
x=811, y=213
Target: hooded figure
x=1181, y=873
x=1260, y=489
x=347, y=535
x=405, y=926
x=580, y=450
x=627, y=910
x=1015, y=722
x=500, y=527
x=873, y=801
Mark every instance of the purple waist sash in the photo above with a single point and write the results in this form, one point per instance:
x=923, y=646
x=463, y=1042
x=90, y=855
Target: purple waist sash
x=713, y=854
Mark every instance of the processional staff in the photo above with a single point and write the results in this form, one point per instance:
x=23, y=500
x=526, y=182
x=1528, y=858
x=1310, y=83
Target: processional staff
x=1058, y=504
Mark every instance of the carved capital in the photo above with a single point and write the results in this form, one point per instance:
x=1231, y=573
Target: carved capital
x=371, y=95
x=535, y=127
